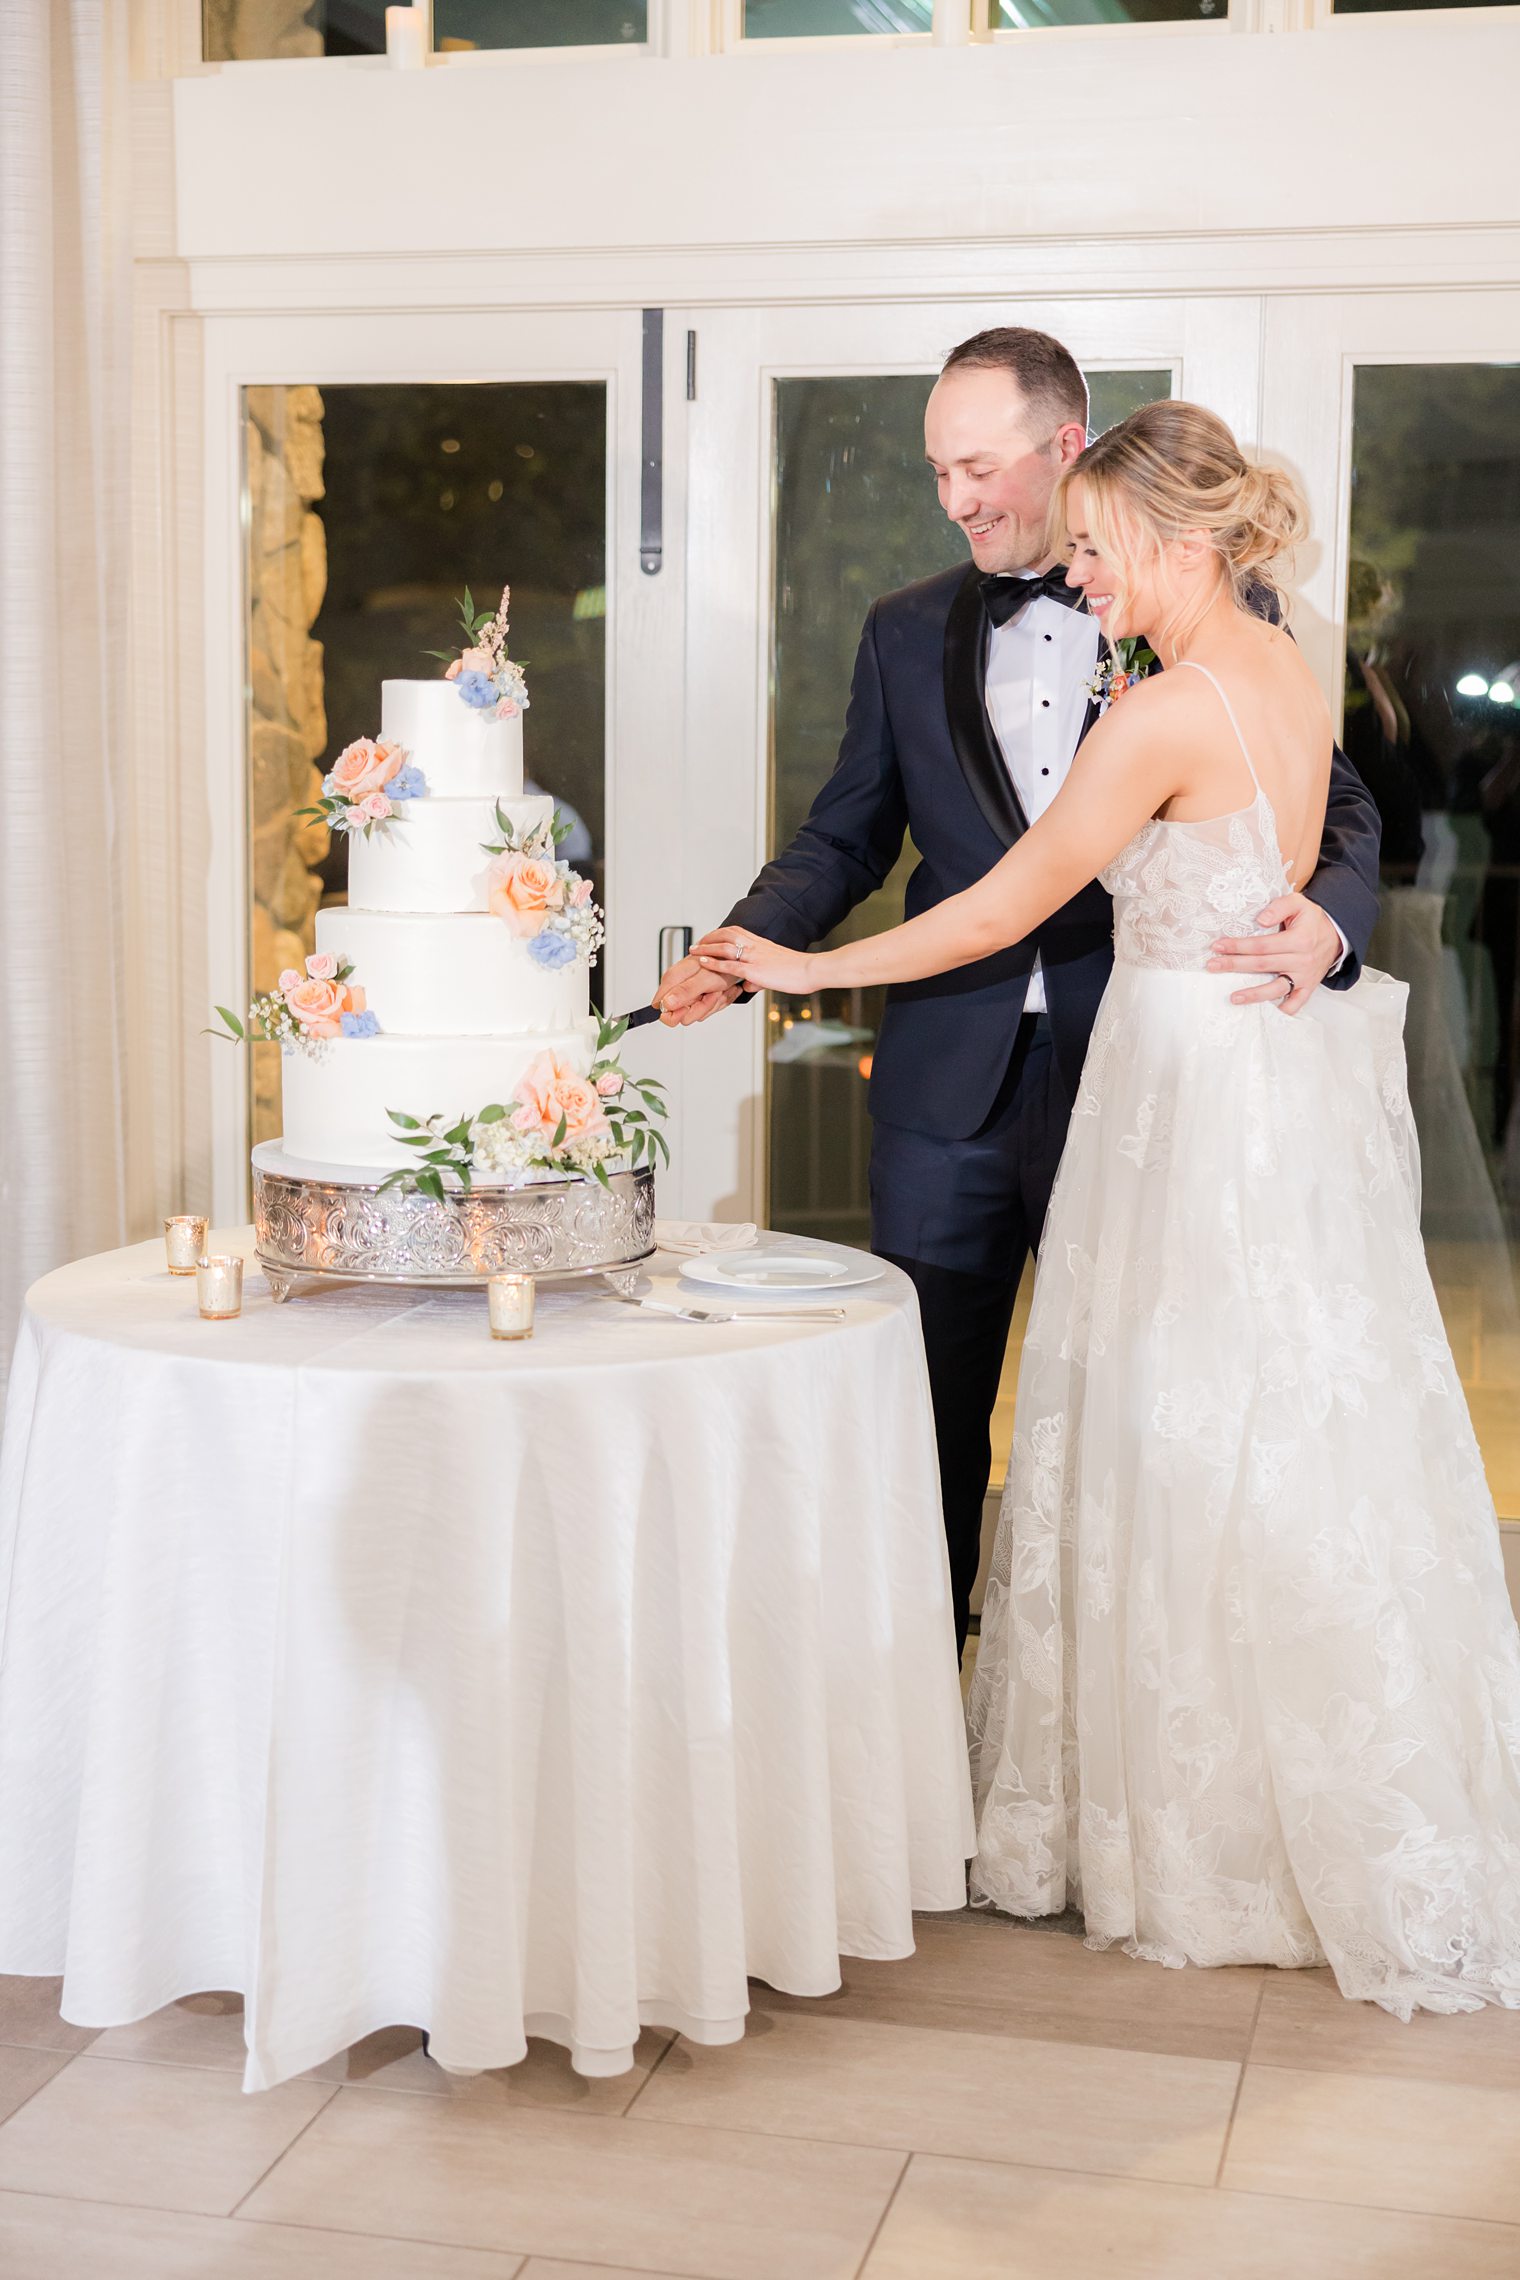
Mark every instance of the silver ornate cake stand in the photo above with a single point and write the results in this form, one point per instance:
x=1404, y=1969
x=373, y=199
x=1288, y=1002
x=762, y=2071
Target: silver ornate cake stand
x=316, y=1222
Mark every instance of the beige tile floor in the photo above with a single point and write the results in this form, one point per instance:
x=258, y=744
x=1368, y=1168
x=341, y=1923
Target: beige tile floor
x=1003, y=2106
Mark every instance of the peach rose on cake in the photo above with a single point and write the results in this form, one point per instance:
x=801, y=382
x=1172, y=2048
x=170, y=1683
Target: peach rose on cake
x=319, y=1007
x=363, y=767
x=469, y=661
x=375, y=807
x=523, y=890
x=550, y=1094
x=322, y=966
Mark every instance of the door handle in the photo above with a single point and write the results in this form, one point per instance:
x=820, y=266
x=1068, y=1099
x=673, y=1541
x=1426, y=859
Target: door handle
x=675, y=944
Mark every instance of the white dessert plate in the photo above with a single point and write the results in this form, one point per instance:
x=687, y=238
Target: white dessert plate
x=765, y=1271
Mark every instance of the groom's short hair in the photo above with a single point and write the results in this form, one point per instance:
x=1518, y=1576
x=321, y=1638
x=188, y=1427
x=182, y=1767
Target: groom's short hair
x=1047, y=375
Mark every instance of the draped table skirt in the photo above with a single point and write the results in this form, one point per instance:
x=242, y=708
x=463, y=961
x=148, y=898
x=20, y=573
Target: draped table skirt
x=386, y=1673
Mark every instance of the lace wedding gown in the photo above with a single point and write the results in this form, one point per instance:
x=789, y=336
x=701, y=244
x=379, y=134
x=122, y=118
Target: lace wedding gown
x=1248, y=1687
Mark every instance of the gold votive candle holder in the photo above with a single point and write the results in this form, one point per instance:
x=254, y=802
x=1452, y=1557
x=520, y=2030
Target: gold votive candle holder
x=509, y=1299
x=185, y=1241
x=219, y=1288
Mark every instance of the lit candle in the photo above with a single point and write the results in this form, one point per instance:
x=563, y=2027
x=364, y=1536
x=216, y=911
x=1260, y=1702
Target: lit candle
x=219, y=1287
x=406, y=38
x=510, y=1299
x=184, y=1241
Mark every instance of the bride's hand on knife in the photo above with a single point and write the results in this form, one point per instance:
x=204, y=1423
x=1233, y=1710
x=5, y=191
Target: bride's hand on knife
x=739, y=956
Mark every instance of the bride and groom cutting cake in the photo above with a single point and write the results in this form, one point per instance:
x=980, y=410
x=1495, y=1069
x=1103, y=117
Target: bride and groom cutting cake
x=1248, y=1684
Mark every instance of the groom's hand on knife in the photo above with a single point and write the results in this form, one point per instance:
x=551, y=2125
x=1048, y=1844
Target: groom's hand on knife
x=687, y=993
x=1305, y=948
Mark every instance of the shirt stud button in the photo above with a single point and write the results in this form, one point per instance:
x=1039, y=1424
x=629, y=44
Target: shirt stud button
x=1045, y=701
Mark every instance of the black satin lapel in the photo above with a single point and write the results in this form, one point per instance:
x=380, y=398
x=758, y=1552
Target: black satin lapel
x=966, y=710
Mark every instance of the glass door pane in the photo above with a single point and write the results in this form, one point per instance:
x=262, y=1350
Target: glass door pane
x=823, y=19
x=369, y=508
x=1032, y=15
x=1433, y=724
x=460, y=25
x=243, y=30
x=856, y=516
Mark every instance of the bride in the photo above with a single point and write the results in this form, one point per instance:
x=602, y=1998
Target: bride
x=1248, y=1688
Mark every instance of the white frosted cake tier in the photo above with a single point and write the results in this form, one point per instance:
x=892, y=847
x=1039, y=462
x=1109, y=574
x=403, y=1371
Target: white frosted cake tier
x=432, y=858
x=464, y=972
x=336, y=1107
x=464, y=754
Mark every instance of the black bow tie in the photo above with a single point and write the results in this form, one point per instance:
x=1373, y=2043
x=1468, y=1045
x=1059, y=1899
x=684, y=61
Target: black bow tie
x=1004, y=596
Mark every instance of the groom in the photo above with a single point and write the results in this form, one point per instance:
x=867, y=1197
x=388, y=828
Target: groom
x=969, y=700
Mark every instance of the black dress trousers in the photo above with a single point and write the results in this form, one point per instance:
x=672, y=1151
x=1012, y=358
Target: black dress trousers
x=961, y=1217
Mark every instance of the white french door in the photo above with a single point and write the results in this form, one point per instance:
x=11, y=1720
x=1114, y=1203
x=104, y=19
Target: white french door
x=745, y=359
x=643, y=850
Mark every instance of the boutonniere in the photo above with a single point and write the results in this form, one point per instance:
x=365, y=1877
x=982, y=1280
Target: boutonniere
x=1121, y=665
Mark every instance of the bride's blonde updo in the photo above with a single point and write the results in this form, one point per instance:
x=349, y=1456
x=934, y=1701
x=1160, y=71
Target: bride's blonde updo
x=1173, y=467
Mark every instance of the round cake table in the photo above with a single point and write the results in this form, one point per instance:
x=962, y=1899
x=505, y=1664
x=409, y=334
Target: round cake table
x=386, y=1674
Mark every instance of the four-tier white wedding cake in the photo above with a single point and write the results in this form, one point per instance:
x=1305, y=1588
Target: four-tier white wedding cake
x=463, y=956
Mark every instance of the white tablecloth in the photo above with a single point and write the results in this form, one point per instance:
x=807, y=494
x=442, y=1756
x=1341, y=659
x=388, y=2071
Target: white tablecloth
x=386, y=1673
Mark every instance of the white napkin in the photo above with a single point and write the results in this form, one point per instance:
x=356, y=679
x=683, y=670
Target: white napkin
x=686, y=1238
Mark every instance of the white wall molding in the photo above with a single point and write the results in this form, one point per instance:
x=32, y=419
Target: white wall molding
x=1327, y=259
x=922, y=144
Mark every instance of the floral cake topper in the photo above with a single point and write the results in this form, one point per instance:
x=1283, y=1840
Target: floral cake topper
x=487, y=679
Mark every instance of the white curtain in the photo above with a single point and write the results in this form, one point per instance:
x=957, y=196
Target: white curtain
x=65, y=316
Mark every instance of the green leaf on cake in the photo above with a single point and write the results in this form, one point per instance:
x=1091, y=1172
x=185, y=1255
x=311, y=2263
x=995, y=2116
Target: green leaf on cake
x=399, y=1116
x=559, y=1134
x=491, y=1115
x=235, y=1028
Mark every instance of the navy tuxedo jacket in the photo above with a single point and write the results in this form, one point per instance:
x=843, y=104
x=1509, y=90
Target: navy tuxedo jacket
x=919, y=756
